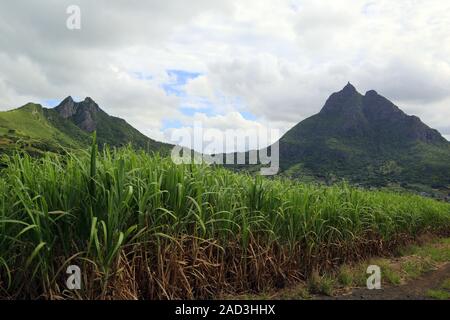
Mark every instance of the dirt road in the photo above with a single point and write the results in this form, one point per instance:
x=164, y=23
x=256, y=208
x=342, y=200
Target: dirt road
x=413, y=290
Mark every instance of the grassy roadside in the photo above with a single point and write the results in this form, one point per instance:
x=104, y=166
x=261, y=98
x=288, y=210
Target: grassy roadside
x=409, y=263
x=441, y=293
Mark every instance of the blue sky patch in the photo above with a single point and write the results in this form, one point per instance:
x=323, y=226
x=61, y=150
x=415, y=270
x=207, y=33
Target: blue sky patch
x=188, y=111
x=51, y=102
x=171, y=123
x=179, y=80
x=248, y=115
x=190, y=105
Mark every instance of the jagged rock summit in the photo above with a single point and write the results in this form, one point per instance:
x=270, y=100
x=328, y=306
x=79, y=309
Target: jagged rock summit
x=83, y=114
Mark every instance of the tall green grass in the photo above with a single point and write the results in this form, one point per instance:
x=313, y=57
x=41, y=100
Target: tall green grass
x=140, y=226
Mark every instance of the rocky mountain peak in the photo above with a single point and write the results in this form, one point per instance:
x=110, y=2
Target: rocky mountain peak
x=67, y=108
x=82, y=113
x=90, y=104
x=345, y=102
x=371, y=93
x=349, y=88
x=372, y=116
x=354, y=136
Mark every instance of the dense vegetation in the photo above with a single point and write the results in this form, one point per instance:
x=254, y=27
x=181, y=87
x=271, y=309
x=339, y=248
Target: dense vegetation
x=36, y=130
x=29, y=129
x=86, y=116
x=364, y=139
x=143, y=227
x=368, y=140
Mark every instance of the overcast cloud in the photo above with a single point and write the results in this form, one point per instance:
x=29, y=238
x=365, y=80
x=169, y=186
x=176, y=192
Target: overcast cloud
x=231, y=63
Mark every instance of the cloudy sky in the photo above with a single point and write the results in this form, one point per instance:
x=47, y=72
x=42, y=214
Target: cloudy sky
x=231, y=64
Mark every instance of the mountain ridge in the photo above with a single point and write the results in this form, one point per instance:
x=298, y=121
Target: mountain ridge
x=355, y=134
x=69, y=125
x=365, y=139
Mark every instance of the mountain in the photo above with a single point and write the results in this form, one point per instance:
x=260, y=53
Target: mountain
x=365, y=139
x=28, y=128
x=69, y=125
x=368, y=140
x=113, y=131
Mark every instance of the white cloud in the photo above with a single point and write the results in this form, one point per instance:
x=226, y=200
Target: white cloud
x=233, y=123
x=278, y=60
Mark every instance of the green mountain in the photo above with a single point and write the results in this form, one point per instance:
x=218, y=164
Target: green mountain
x=365, y=139
x=88, y=117
x=69, y=125
x=368, y=140
x=29, y=128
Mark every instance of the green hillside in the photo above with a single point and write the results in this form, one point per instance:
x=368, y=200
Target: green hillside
x=113, y=131
x=368, y=140
x=69, y=126
x=29, y=128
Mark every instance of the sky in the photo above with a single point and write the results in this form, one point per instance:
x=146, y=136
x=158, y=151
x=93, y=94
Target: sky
x=229, y=64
